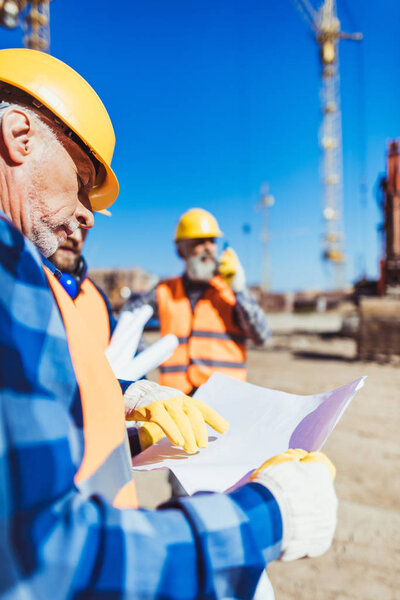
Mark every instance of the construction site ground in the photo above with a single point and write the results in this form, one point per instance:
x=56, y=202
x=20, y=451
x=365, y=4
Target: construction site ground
x=305, y=357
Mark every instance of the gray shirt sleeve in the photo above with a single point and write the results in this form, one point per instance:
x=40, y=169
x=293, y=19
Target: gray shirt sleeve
x=251, y=318
x=147, y=298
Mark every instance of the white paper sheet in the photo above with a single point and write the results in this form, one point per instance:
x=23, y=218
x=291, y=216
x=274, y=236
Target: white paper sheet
x=149, y=359
x=263, y=423
x=127, y=334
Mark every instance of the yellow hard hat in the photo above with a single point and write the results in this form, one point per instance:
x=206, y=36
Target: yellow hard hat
x=54, y=85
x=197, y=223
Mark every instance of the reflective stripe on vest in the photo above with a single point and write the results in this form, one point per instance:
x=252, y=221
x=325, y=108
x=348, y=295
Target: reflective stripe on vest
x=106, y=464
x=209, y=339
x=92, y=307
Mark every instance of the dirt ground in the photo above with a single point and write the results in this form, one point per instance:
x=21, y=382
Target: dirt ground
x=364, y=561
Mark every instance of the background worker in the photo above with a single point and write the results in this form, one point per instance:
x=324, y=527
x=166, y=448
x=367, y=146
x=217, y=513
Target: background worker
x=62, y=460
x=209, y=308
x=90, y=300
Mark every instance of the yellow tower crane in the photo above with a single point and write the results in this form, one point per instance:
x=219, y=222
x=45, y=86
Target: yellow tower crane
x=33, y=16
x=326, y=28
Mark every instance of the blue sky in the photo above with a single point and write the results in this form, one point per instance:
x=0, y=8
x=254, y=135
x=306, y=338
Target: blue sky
x=209, y=98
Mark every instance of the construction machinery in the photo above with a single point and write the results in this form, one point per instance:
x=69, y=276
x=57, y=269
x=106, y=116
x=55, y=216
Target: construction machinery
x=326, y=28
x=379, y=329
x=389, y=187
x=33, y=16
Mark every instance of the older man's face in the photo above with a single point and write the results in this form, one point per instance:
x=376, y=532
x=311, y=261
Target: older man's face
x=58, y=196
x=200, y=255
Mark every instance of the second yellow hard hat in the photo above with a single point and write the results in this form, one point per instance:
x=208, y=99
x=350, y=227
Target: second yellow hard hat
x=197, y=223
x=54, y=85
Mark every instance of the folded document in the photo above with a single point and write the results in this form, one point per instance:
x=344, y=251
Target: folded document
x=263, y=423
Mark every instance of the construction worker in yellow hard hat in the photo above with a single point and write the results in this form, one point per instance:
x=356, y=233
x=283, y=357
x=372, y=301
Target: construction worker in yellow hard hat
x=69, y=105
x=65, y=474
x=209, y=308
x=47, y=98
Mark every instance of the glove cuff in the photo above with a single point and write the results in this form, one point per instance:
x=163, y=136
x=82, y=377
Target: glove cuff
x=144, y=392
x=308, y=505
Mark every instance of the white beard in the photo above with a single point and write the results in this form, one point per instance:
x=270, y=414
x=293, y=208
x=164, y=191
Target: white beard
x=198, y=270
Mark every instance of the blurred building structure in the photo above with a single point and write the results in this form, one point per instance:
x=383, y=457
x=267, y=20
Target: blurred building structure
x=300, y=302
x=119, y=284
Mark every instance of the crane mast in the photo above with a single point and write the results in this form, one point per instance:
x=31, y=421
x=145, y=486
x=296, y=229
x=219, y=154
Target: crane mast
x=326, y=27
x=36, y=25
x=36, y=21
x=331, y=142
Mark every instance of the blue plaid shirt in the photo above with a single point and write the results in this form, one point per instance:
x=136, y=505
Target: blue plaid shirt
x=54, y=543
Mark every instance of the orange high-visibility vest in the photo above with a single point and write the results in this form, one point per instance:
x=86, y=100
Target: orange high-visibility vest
x=92, y=307
x=209, y=339
x=106, y=464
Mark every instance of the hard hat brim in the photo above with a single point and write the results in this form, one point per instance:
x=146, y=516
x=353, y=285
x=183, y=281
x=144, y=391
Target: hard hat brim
x=199, y=236
x=104, y=193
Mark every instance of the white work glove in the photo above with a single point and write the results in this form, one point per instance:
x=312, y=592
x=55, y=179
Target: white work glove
x=181, y=418
x=302, y=484
x=230, y=268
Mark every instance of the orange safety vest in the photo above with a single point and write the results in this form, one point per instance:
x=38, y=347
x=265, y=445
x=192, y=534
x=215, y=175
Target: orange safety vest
x=92, y=307
x=106, y=465
x=209, y=339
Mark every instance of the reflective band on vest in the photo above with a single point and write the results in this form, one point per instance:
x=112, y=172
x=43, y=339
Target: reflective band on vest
x=209, y=339
x=92, y=307
x=106, y=464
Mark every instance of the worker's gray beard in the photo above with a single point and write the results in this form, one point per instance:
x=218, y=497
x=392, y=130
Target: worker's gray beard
x=66, y=265
x=198, y=270
x=44, y=239
x=43, y=232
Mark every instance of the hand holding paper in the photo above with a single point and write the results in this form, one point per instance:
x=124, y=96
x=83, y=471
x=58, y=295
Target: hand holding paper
x=182, y=419
x=302, y=484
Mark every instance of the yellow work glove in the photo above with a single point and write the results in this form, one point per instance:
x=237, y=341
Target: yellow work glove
x=302, y=484
x=149, y=434
x=297, y=454
x=231, y=270
x=181, y=418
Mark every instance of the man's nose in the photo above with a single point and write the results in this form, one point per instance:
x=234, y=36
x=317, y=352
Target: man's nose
x=84, y=216
x=209, y=245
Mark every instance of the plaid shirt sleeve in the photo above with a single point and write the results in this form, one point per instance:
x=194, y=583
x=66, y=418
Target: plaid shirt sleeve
x=55, y=543
x=251, y=318
x=146, y=298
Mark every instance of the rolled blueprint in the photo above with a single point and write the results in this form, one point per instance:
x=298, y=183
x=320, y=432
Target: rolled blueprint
x=149, y=359
x=127, y=334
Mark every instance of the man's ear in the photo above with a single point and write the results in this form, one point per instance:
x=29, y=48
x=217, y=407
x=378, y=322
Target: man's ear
x=17, y=129
x=180, y=250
